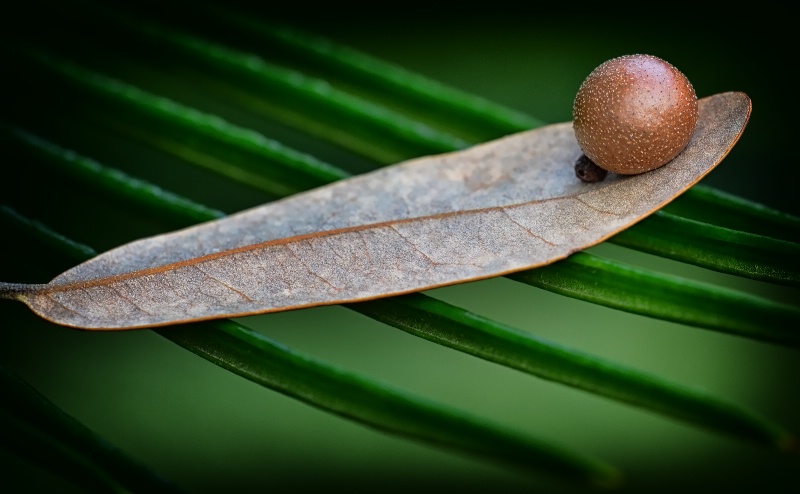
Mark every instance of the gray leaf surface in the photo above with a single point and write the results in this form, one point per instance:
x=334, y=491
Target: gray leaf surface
x=503, y=206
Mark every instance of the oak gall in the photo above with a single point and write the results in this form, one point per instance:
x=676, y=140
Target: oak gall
x=634, y=114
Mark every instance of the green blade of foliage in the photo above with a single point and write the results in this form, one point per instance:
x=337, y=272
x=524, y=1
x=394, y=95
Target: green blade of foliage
x=233, y=347
x=310, y=95
x=476, y=118
x=303, y=102
x=272, y=365
x=148, y=196
x=452, y=326
x=471, y=333
x=193, y=135
x=33, y=427
x=719, y=208
x=42, y=234
x=714, y=247
x=672, y=298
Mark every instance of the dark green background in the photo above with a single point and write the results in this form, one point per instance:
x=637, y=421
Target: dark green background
x=212, y=431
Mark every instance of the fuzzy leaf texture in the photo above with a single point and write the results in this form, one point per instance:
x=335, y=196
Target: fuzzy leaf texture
x=493, y=209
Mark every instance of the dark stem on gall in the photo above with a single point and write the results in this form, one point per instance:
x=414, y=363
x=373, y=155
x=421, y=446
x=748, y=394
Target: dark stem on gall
x=586, y=170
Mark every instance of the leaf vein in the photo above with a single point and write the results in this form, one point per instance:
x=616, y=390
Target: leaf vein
x=308, y=268
x=595, y=208
x=530, y=232
x=426, y=256
x=124, y=297
x=226, y=285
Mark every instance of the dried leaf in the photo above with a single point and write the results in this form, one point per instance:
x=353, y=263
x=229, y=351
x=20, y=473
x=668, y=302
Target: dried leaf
x=500, y=207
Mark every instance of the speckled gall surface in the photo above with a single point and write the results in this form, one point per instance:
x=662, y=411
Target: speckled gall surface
x=634, y=113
